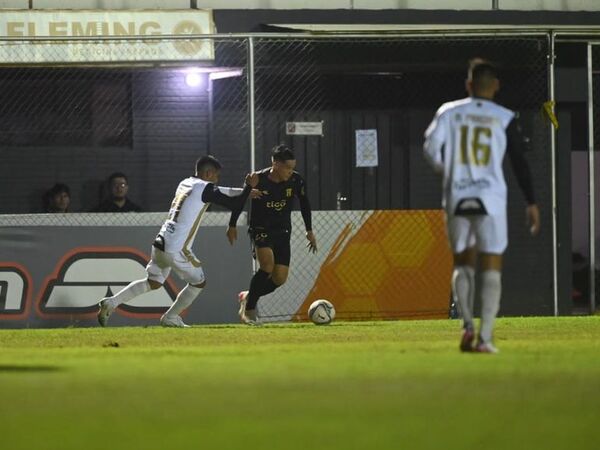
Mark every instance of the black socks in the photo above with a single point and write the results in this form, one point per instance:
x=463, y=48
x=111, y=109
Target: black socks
x=261, y=284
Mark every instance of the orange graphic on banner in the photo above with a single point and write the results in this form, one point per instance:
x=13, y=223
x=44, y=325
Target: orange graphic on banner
x=396, y=265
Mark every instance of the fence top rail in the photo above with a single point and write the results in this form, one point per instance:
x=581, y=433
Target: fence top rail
x=446, y=31
x=332, y=31
x=212, y=218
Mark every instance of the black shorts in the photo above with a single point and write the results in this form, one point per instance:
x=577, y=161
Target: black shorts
x=276, y=240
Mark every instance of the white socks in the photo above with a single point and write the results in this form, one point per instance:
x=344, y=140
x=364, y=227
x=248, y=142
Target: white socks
x=129, y=292
x=185, y=298
x=491, y=289
x=463, y=291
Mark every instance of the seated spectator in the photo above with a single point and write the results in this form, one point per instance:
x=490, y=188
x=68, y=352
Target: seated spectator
x=57, y=199
x=117, y=201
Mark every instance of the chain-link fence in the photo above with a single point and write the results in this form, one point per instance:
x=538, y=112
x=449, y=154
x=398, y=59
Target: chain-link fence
x=388, y=89
x=77, y=125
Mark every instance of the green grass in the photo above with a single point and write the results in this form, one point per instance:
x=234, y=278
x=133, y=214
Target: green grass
x=375, y=385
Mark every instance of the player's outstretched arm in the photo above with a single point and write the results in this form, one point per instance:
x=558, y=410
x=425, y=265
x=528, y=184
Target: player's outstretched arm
x=213, y=194
x=250, y=180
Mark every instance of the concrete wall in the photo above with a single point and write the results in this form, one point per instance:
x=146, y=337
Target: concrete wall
x=554, y=5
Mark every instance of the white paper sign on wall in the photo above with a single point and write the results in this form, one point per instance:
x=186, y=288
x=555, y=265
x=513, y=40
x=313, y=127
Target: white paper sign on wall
x=366, y=148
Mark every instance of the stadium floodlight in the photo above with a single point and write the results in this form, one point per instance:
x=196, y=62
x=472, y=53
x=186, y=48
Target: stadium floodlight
x=193, y=79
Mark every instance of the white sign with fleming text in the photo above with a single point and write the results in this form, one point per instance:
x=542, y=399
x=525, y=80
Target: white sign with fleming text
x=105, y=25
x=304, y=128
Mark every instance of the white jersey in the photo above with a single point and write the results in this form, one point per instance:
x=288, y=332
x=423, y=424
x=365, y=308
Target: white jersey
x=187, y=209
x=467, y=141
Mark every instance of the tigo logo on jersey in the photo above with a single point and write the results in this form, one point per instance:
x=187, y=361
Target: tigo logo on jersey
x=278, y=206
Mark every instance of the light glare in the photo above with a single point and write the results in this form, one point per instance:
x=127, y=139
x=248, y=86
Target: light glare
x=193, y=79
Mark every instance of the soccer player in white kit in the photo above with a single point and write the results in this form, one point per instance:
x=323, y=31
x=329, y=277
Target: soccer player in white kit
x=466, y=142
x=172, y=249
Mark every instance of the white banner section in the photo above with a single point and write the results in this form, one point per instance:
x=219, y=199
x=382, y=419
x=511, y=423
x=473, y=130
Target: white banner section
x=110, y=27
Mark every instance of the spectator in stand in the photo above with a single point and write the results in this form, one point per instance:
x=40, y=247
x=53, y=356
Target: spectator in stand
x=118, y=201
x=57, y=199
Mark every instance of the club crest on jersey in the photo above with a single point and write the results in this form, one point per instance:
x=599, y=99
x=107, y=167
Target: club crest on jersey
x=288, y=192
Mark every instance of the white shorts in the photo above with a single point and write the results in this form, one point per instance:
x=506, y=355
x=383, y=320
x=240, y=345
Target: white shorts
x=489, y=234
x=185, y=265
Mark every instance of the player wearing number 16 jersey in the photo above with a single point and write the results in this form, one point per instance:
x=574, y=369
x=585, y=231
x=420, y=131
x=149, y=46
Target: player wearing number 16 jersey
x=172, y=248
x=466, y=142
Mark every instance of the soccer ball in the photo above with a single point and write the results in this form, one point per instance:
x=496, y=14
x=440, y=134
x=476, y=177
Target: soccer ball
x=321, y=312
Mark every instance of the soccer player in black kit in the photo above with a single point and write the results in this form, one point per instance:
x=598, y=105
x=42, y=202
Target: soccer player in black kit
x=271, y=227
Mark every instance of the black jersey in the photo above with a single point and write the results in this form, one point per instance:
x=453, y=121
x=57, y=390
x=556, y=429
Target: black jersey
x=273, y=210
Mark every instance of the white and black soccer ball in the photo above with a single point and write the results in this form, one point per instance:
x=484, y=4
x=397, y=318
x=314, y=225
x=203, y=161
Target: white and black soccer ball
x=321, y=312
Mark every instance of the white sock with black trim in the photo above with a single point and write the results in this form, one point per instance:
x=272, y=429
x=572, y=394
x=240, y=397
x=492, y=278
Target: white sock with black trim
x=491, y=290
x=185, y=298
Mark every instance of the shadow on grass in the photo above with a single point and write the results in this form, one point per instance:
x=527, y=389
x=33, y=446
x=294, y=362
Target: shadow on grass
x=14, y=368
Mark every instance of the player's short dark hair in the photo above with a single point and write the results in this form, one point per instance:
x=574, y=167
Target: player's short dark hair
x=481, y=72
x=116, y=175
x=207, y=162
x=282, y=153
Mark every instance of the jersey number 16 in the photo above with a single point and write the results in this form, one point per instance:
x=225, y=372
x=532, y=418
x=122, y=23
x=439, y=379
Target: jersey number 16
x=474, y=151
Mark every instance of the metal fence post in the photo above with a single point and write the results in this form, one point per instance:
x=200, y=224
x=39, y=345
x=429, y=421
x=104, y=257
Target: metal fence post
x=591, y=181
x=551, y=82
x=251, y=106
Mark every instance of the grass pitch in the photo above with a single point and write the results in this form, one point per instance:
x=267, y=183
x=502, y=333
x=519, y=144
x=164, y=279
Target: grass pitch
x=375, y=385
